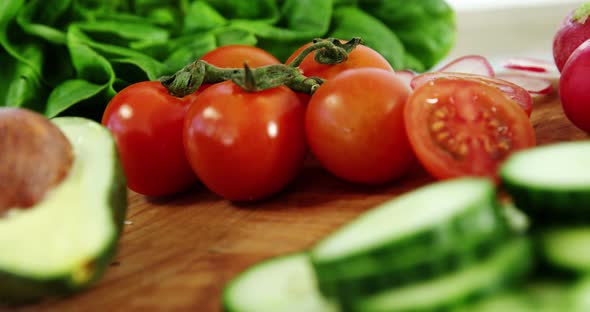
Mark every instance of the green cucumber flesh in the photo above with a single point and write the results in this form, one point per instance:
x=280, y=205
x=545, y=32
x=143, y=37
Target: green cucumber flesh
x=346, y=286
x=567, y=248
x=508, y=264
x=426, y=210
x=451, y=225
x=66, y=241
x=280, y=284
x=580, y=296
x=564, y=166
x=551, y=182
x=536, y=296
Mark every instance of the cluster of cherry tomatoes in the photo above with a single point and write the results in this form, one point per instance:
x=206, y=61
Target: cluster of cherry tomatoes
x=363, y=124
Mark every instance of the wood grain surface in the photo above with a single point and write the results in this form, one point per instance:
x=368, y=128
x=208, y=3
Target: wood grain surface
x=177, y=253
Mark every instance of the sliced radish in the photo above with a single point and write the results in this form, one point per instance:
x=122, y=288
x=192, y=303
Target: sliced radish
x=534, y=85
x=470, y=64
x=406, y=76
x=530, y=64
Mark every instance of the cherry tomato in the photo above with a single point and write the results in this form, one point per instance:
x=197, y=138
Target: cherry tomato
x=146, y=123
x=514, y=91
x=361, y=56
x=355, y=128
x=234, y=56
x=465, y=127
x=245, y=145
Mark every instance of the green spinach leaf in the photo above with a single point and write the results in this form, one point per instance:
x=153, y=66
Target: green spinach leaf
x=353, y=22
x=426, y=27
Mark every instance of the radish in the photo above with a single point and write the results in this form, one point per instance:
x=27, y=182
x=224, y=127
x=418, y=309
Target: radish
x=529, y=65
x=574, y=30
x=533, y=85
x=574, y=90
x=470, y=64
x=406, y=76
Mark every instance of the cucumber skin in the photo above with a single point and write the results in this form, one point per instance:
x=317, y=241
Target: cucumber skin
x=367, y=269
x=18, y=289
x=348, y=289
x=513, y=275
x=548, y=206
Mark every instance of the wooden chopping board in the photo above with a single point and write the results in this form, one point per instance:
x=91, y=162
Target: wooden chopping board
x=177, y=253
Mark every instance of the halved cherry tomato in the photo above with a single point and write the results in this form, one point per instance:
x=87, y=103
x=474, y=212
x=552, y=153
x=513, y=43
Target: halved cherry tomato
x=465, y=127
x=355, y=128
x=146, y=123
x=234, y=56
x=361, y=56
x=245, y=145
x=515, y=92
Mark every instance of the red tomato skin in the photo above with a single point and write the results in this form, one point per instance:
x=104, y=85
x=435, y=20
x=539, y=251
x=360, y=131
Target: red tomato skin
x=361, y=56
x=234, y=56
x=146, y=123
x=354, y=126
x=439, y=161
x=513, y=91
x=245, y=146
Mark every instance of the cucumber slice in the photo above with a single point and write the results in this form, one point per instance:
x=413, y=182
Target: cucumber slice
x=537, y=296
x=580, y=296
x=348, y=285
x=567, y=248
x=435, y=229
x=551, y=182
x=509, y=264
x=281, y=284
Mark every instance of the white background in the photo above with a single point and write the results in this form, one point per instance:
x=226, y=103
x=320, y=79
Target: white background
x=501, y=29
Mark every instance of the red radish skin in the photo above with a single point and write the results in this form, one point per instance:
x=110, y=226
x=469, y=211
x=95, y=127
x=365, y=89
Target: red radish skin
x=529, y=65
x=470, y=64
x=574, y=30
x=573, y=87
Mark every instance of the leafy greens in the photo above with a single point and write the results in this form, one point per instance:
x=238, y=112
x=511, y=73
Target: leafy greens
x=69, y=57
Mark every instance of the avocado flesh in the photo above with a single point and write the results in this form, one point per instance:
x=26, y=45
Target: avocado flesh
x=65, y=241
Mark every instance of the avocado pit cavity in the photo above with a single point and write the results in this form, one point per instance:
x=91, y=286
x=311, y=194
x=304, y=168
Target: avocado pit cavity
x=35, y=156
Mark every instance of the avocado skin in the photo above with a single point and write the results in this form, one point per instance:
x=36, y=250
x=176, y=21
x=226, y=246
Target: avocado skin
x=19, y=289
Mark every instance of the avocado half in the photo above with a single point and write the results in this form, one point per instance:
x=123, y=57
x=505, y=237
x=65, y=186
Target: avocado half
x=65, y=242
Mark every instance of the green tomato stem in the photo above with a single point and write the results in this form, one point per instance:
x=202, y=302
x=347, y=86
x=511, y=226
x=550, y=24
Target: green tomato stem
x=330, y=51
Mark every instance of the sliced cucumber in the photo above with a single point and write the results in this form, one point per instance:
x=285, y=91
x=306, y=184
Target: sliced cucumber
x=509, y=264
x=537, y=296
x=580, y=296
x=551, y=182
x=282, y=284
x=435, y=229
x=567, y=248
x=349, y=285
